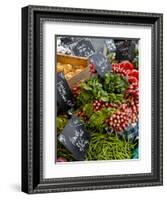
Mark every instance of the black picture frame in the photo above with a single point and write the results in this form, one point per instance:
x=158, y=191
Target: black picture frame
x=32, y=99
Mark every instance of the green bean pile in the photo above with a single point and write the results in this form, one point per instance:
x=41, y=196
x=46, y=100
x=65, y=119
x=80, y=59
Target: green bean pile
x=109, y=147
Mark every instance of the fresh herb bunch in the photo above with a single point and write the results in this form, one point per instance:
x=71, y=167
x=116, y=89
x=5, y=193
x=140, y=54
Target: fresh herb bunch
x=92, y=89
x=115, y=83
x=109, y=147
x=109, y=89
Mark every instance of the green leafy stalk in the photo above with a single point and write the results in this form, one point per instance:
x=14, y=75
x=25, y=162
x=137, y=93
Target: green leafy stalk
x=114, y=83
x=98, y=118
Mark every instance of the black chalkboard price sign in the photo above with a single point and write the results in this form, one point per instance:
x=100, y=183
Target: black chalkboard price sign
x=83, y=48
x=67, y=41
x=110, y=45
x=125, y=50
x=101, y=63
x=75, y=138
x=64, y=95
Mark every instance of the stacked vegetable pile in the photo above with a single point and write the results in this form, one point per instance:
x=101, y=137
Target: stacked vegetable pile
x=109, y=108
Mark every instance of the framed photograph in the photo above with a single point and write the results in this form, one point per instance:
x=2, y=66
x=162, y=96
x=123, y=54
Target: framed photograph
x=92, y=94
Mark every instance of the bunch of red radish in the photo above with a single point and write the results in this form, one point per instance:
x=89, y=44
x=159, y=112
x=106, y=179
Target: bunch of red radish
x=98, y=105
x=128, y=112
x=119, y=121
x=76, y=90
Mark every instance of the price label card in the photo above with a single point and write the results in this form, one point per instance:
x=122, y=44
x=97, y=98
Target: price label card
x=110, y=45
x=125, y=50
x=67, y=41
x=64, y=95
x=75, y=138
x=101, y=63
x=83, y=48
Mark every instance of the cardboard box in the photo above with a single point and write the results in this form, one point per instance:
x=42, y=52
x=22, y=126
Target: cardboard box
x=74, y=61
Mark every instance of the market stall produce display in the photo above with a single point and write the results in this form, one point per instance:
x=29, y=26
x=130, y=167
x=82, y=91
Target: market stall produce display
x=107, y=105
